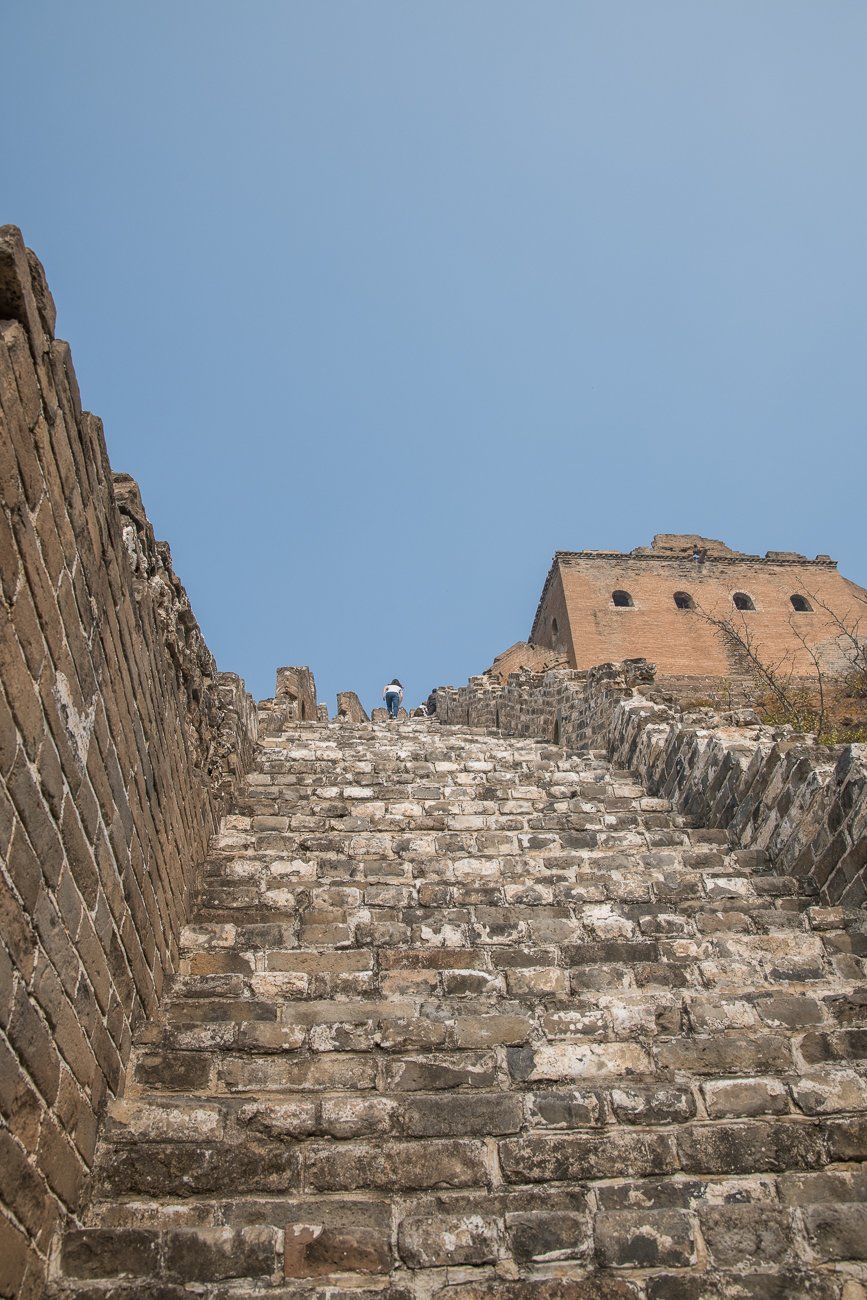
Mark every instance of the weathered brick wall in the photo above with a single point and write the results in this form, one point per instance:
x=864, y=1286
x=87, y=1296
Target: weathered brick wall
x=577, y=611
x=803, y=803
x=523, y=657
x=119, y=744
x=350, y=708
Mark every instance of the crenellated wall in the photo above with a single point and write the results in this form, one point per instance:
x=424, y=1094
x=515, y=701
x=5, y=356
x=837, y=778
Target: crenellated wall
x=119, y=746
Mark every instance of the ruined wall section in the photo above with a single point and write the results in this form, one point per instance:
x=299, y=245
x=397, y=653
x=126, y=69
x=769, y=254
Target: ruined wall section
x=294, y=701
x=523, y=657
x=119, y=744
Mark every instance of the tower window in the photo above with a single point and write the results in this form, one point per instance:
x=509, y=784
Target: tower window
x=801, y=605
x=742, y=600
x=622, y=599
x=554, y=623
x=684, y=600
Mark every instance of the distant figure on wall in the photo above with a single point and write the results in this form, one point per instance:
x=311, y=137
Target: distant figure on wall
x=392, y=694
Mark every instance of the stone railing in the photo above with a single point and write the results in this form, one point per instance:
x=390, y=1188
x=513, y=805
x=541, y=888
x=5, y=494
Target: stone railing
x=566, y=706
x=803, y=804
x=120, y=744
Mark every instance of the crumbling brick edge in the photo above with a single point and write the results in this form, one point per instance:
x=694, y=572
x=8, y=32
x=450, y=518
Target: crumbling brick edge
x=772, y=789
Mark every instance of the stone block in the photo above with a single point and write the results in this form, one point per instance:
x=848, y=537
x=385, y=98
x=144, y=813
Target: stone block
x=489, y=1031
x=106, y=1253
x=578, y=1061
x=529, y=1288
x=649, y=1104
x=724, y=1055
x=789, y=1011
x=537, y=983
x=217, y=1254
x=187, y=1169
x=739, y=1234
x=316, y=1250
x=644, y=1239
x=828, y=1091
x=612, y=950
x=440, y=1116
x=402, y=1166
x=745, y=1098
x=829, y=1185
x=365, y=1116
x=173, y=1071
x=155, y=1121
x=750, y=1147
x=562, y=1157
x=444, y=1070
x=400, y=1035
x=546, y=1235
x=15, y=1255
x=445, y=1240
x=836, y=1231
x=578, y=1108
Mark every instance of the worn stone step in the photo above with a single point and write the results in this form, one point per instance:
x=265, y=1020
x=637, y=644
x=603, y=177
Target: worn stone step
x=464, y=1017
x=267, y=1161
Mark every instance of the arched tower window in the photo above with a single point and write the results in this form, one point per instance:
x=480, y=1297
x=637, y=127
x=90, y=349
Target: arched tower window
x=742, y=600
x=554, y=624
x=801, y=605
x=684, y=600
x=622, y=599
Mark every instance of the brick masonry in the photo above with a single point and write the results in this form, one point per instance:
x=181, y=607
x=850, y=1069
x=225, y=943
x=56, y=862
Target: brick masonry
x=578, y=615
x=120, y=745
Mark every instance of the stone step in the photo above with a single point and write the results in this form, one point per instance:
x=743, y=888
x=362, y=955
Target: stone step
x=361, y=1243
x=460, y=1017
x=383, y=1053
x=530, y=1098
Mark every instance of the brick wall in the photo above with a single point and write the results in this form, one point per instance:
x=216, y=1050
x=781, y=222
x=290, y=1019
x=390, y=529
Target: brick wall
x=119, y=743
x=578, y=599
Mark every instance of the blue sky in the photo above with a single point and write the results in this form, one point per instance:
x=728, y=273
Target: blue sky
x=383, y=302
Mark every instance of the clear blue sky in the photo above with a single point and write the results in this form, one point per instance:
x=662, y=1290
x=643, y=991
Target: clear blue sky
x=383, y=302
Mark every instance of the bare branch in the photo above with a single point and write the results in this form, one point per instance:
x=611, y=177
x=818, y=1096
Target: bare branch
x=850, y=630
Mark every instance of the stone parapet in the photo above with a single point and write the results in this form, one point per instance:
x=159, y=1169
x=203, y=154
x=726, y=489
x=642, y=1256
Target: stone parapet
x=771, y=789
x=566, y=706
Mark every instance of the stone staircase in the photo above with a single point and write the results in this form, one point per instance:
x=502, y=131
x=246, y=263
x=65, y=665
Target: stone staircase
x=471, y=1016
